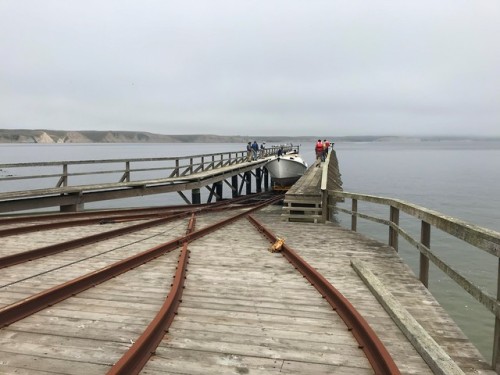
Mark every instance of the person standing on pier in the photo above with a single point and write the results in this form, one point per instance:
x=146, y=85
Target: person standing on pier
x=249, y=151
x=319, y=151
x=326, y=146
x=280, y=152
x=255, y=150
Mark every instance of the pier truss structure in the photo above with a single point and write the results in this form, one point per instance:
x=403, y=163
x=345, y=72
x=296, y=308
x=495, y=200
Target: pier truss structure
x=65, y=184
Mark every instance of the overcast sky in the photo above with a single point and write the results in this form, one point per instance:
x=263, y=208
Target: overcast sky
x=251, y=67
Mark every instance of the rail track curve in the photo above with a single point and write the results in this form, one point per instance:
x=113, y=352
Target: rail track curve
x=184, y=290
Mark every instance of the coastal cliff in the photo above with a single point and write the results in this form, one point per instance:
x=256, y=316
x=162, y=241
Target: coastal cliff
x=45, y=136
x=90, y=136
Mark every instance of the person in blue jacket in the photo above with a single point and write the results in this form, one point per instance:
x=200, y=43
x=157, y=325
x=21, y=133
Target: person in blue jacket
x=255, y=150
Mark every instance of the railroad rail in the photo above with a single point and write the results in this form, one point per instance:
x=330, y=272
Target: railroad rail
x=43, y=288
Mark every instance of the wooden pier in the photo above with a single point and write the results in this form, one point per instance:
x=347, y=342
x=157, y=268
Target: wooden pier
x=307, y=200
x=65, y=184
x=244, y=309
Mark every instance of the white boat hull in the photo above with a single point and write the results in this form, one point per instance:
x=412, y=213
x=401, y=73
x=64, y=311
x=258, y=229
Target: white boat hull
x=287, y=169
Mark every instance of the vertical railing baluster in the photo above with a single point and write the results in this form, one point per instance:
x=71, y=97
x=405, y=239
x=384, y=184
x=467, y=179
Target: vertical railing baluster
x=425, y=239
x=63, y=180
x=354, y=218
x=126, y=173
x=65, y=174
x=393, y=233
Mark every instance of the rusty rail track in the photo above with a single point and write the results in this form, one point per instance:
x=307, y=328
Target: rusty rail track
x=37, y=302
x=139, y=353
x=91, y=218
x=41, y=252
x=374, y=349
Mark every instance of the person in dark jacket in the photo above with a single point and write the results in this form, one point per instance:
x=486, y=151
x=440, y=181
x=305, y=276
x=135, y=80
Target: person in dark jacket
x=255, y=150
x=280, y=151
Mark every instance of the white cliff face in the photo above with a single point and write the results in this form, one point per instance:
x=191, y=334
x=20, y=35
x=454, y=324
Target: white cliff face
x=43, y=138
x=93, y=136
x=75, y=137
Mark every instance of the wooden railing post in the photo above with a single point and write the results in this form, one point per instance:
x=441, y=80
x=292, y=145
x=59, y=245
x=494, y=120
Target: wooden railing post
x=63, y=180
x=425, y=239
x=177, y=164
x=127, y=166
x=496, y=338
x=354, y=218
x=393, y=233
x=325, y=211
x=126, y=173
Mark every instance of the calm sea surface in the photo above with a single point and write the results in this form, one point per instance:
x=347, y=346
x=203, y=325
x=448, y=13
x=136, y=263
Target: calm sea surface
x=459, y=179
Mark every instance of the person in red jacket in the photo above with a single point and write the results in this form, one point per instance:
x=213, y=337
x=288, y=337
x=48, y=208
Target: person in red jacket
x=326, y=146
x=319, y=151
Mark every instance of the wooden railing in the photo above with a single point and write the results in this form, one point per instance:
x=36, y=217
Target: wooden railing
x=481, y=238
x=69, y=173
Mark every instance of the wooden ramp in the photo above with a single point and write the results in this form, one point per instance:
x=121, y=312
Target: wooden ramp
x=305, y=202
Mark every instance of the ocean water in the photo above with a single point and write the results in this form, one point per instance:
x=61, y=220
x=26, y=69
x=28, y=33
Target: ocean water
x=460, y=179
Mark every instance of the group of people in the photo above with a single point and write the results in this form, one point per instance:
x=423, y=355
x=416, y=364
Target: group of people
x=253, y=150
x=321, y=149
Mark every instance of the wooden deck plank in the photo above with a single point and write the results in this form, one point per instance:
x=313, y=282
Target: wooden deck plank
x=244, y=309
x=255, y=328
x=332, y=259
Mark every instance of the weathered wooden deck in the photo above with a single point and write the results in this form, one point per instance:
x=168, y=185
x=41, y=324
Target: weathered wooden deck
x=244, y=309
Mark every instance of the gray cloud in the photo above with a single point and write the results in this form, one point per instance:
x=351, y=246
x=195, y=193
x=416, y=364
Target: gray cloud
x=252, y=67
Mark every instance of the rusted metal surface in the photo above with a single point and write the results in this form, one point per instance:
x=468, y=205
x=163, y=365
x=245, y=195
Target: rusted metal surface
x=25, y=256
x=102, y=214
x=138, y=355
x=374, y=349
x=111, y=216
x=56, y=294
x=64, y=223
x=18, y=258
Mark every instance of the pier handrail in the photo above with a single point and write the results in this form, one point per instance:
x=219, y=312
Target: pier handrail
x=172, y=166
x=479, y=237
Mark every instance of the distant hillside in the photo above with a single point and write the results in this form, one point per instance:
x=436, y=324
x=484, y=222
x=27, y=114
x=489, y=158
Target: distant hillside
x=88, y=136
x=61, y=136
x=91, y=136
